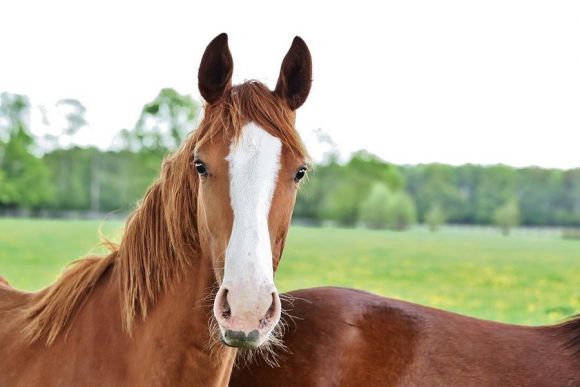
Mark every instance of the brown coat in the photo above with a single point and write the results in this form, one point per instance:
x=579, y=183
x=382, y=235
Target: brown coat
x=344, y=337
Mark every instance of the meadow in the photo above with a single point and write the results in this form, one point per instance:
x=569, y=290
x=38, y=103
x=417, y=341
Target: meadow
x=520, y=279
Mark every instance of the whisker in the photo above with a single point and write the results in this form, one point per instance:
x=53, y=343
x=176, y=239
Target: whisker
x=270, y=352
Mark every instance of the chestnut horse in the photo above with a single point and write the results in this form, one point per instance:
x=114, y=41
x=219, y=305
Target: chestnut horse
x=344, y=337
x=216, y=218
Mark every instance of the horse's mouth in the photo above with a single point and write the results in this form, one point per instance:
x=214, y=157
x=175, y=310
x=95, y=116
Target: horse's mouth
x=238, y=339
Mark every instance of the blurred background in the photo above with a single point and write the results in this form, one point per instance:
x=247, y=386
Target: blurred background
x=444, y=134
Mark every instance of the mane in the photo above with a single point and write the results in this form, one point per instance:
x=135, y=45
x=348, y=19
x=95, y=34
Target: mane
x=160, y=237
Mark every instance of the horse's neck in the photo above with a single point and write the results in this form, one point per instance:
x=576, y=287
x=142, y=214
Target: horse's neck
x=170, y=346
x=175, y=335
x=162, y=269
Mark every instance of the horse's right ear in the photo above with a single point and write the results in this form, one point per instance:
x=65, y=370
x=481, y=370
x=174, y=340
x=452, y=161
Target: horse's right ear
x=215, y=70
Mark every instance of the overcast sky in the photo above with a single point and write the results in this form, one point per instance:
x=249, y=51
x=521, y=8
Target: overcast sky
x=412, y=81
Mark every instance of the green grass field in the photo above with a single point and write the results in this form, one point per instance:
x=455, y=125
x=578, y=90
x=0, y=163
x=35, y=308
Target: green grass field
x=513, y=279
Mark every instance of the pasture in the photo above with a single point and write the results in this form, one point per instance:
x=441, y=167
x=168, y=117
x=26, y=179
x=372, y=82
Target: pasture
x=518, y=279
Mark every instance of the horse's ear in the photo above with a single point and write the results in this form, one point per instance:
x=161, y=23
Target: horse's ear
x=295, y=75
x=215, y=70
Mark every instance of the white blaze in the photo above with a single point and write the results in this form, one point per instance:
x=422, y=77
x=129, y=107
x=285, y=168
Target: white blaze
x=254, y=163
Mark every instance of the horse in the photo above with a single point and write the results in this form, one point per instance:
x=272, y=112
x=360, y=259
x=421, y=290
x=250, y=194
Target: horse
x=147, y=313
x=345, y=337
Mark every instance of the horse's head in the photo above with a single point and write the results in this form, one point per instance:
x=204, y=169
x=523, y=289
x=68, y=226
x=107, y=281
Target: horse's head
x=249, y=160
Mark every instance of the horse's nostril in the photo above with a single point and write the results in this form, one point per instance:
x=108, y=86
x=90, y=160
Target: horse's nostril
x=272, y=307
x=226, y=310
x=265, y=321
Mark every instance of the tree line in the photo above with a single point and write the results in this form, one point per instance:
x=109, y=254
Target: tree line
x=369, y=190
x=40, y=174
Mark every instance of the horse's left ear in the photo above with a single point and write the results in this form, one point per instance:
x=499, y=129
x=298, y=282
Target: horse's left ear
x=295, y=77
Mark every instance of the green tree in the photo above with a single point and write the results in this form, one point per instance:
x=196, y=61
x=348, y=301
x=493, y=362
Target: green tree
x=507, y=216
x=72, y=176
x=496, y=185
x=25, y=179
x=374, y=211
x=163, y=124
x=540, y=193
x=401, y=210
x=315, y=189
x=375, y=169
x=384, y=208
x=436, y=183
x=73, y=179
x=70, y=115
x=341, y=202
x=568, y=212
x=350, y=184
x=435, y=217
x=74, y=113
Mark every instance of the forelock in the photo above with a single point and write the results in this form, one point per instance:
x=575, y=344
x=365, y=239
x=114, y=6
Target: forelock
x=248, y=102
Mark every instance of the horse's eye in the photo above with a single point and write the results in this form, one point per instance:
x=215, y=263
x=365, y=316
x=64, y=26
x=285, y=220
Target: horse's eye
x=201, y=169
x=300, y=174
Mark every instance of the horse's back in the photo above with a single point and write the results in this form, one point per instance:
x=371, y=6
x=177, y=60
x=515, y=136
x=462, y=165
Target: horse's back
x=344, y=337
